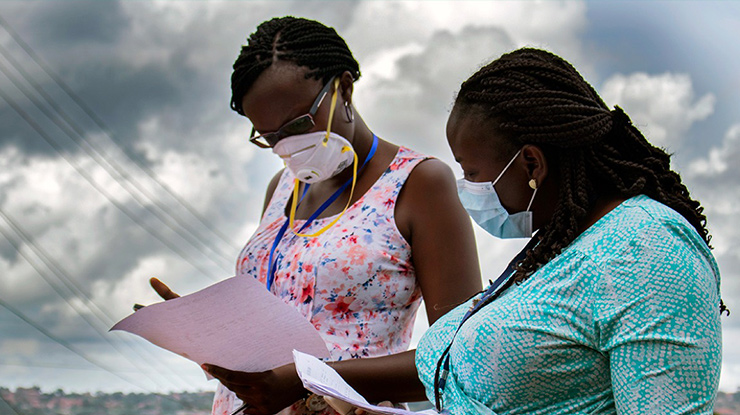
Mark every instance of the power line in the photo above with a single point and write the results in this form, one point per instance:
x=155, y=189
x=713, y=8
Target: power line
x=72, y=288
x=103, y=127
x=113, y=170
x=97, y=187
x=9, y=405
x=64, y=343
x=79, y=353
x=67, y=367
x=69, y=283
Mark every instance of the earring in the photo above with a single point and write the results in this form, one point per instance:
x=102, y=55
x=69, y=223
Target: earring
x=348, y=111
x=533, y=184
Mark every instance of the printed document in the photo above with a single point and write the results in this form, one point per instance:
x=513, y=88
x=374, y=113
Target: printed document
x=236, y=324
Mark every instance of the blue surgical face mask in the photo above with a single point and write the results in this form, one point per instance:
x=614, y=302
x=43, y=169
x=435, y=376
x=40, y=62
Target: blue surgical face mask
x=483, y=205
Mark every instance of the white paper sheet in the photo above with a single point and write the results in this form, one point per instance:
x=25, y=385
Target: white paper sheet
x=236, y=324
x=320, y=378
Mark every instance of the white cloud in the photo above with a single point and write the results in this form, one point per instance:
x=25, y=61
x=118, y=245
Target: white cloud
x=552, y=23
x=663, y=106
x=19, y=347
x=720, y=160
x=414, y=104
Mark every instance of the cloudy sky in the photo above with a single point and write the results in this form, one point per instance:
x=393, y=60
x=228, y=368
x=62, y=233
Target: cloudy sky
x=120, y=158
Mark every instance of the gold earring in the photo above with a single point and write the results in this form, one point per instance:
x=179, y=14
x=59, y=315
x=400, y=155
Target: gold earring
x=533, y=184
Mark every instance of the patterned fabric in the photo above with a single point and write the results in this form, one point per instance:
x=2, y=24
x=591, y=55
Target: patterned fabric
x=625, y=320
x=355, y=282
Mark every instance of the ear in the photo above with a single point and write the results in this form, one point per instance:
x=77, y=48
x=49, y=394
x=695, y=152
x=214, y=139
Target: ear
x=346, y=85
x=536, y=163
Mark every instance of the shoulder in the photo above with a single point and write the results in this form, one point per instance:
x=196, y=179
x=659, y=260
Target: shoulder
x=647, y=239
x=428, y=197
x=430, y=179
x=640, y=222
x=431, y=171
x=271, y=188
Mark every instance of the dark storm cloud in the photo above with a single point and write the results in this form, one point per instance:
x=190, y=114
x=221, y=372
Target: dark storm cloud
x=54, y=25
x=82, y=46
x=122, y=96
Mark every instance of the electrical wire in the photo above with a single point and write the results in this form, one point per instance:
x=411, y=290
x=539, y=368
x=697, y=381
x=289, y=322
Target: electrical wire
x=97, y=187
x=127, y=182
x=79, y=353
x=104, y=128
x=66, y=298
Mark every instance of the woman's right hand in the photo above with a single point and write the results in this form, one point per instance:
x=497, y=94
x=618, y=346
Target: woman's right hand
x=162, y=289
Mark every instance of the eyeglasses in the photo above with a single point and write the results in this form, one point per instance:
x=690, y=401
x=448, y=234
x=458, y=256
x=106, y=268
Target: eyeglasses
x=297, y=126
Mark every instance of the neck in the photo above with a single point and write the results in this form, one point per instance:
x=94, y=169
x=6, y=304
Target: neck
x=602, y=206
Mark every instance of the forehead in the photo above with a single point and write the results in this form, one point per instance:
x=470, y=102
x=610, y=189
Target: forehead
x=280, y=93
x=471, y=138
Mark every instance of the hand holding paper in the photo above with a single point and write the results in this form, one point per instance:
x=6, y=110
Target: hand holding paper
x=320, y=378
x=235, y=324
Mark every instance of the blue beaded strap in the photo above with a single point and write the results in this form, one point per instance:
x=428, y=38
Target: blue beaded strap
x=491, y=293
x=326, y=204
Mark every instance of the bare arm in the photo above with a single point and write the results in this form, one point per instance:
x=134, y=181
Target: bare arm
x=391, y=377
x=441, y=238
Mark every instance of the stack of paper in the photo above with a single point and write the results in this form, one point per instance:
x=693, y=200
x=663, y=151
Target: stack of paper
x=320, y=378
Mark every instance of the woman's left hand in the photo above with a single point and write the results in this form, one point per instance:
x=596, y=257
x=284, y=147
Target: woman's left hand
x=360, y=411
x=265, y=392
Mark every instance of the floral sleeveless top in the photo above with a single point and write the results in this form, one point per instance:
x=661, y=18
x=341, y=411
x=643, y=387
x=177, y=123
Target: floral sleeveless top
x=355, y=282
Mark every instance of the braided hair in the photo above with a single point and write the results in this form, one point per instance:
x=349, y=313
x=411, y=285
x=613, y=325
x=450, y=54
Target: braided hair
x=303, y=41
x=535, y=97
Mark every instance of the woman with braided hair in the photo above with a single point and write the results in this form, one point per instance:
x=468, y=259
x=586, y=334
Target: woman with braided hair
x=613, y=306
x=351, y=229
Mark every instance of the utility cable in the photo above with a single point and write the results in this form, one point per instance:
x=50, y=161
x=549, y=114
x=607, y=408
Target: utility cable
x=105, y=129
x=97, y=187
x=71, y=303
x=79, y=353
x=115, y=171
x=9, y=405
x=76, y=291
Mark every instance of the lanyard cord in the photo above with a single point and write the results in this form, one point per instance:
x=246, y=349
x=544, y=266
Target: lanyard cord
x=492, y=292
x=326, y=204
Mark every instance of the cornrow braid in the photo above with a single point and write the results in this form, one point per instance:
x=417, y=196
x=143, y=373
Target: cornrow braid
x=306, y=42
x=536, y=97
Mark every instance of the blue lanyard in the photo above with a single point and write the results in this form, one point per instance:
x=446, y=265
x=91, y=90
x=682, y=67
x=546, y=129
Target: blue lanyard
x=491, y=293
x=326, y=204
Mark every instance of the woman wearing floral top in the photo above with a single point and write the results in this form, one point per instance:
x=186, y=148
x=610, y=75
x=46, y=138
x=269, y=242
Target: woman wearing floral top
x=355, y=230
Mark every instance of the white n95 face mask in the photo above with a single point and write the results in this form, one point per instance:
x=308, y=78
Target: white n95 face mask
x=316, y=156
x=481, y=202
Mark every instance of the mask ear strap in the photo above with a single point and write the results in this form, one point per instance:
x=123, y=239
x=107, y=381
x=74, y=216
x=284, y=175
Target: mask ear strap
x=531, y=200
x=507, y=167
x=331, y=111
x=322, y=230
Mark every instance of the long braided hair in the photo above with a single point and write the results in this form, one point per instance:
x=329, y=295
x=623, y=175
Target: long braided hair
x=303, y=41
x=535, y=97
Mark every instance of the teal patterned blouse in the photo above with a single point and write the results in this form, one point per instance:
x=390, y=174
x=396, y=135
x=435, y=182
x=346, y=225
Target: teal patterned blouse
x=625, y=320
